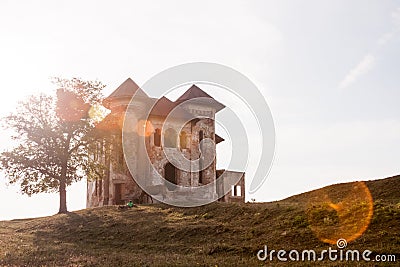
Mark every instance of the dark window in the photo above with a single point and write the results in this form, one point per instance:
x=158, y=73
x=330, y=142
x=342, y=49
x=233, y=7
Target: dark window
x=118, y=194
x=236, y=191
x=157, y=137
x=201, y=172
x=170, y=175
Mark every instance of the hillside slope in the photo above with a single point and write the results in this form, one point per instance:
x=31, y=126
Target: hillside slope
x=218, y=234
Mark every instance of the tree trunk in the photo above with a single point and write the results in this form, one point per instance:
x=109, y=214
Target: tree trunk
x=63, y=198
x=106, y=178
x=63, y=176
x=63, y=191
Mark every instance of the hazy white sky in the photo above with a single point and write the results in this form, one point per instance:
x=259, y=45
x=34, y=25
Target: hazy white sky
x=329, y=71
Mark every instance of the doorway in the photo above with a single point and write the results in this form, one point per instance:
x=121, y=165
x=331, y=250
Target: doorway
x=170, y=175
x=118, y=194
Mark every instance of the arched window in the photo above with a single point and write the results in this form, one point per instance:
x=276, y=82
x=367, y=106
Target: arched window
x=182, y=140
x=170, y=137
x=157, y=137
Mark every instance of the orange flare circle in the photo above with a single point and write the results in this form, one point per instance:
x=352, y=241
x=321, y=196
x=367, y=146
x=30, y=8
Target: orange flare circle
x=343, y=211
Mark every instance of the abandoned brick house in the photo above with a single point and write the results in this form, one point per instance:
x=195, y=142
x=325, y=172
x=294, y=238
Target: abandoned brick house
x=117, y=186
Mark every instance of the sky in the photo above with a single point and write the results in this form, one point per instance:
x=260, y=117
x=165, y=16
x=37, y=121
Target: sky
x=329, y=71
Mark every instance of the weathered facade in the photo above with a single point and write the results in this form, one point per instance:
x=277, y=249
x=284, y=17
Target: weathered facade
x=117, y=185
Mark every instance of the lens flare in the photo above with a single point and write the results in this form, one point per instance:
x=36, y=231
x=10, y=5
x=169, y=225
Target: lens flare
x=144, y=128
x=70, y=107
x=340, y=212
x=98, y=113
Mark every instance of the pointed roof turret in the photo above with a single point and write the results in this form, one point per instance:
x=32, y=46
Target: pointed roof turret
x=195, y=92
x=124, y=92
x=163, y=107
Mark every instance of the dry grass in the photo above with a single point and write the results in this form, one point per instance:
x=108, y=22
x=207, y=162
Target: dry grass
x=214, y=235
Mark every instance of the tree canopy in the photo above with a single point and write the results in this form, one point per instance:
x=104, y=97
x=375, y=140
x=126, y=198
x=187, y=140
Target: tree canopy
x=53, y=136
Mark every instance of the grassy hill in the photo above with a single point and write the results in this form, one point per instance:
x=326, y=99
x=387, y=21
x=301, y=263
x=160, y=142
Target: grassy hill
x=218, y=234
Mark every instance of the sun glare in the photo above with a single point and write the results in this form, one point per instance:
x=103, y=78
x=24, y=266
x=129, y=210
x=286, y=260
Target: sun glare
x=144, y=128
x=344, y=213
x=98, y=112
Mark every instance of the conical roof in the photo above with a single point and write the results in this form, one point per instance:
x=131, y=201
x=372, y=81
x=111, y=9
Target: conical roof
x=126, y=90
x=195, y=92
